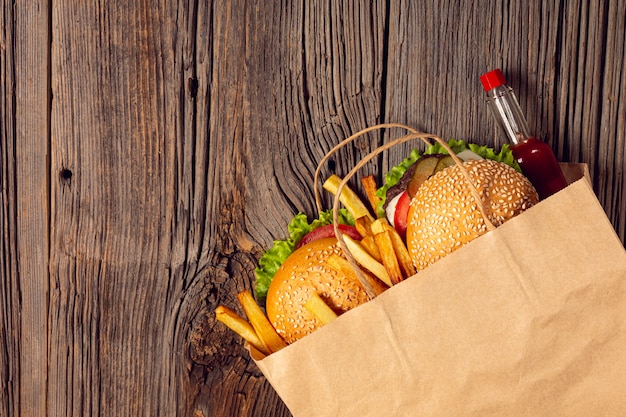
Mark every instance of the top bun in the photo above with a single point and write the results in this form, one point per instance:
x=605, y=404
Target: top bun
x=444, y=214
x=303, y=273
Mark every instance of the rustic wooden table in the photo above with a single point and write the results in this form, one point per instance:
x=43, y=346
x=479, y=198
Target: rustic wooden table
x=152, y=150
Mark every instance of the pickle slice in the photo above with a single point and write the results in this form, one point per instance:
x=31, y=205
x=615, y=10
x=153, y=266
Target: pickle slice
x=444, y=162
x=425, y=168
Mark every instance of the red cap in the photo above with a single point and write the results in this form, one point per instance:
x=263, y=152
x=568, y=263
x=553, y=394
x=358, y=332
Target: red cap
x=492, y=79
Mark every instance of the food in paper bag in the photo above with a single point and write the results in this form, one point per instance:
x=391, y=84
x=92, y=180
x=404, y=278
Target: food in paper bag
x=430, y=205
x=527, y=320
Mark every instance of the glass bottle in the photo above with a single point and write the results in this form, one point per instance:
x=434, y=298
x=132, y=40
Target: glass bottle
x=535, y=158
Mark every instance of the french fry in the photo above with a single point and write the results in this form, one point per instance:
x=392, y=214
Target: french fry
x=370, y=187
x=388, y=256
x=342, y=266
x=379, y=226
x=363, y=225
x=348, y=198
x=404, y=259
x=401, y=252
x=240, y=326
x=366, y=260
x=369, y=244
x=264, y=329
x=316, y=306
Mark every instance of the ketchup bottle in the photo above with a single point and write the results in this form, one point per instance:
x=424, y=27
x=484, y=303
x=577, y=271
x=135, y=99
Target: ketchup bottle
x=534, y=157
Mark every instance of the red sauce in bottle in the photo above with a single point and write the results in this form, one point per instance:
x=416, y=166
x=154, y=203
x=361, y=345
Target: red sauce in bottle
x=540, y=166
x=535, y=158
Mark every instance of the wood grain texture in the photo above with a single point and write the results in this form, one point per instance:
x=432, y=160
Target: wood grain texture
x=152, y=150
x=9, y=290
x=25, y=207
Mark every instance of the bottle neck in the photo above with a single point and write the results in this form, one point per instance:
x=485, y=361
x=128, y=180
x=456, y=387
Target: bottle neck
x=508, y=114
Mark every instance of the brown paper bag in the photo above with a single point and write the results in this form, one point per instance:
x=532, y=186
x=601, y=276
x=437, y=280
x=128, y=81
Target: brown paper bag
x=527, y=320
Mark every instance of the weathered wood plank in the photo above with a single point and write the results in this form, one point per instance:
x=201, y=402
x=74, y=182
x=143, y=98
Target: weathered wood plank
x=9, y=288
x=611, y=157
x=109, y=301
x=24, y=58
x=590, y=89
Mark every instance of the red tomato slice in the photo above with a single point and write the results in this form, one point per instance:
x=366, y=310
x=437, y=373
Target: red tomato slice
x=329, y=231
x=402, y=213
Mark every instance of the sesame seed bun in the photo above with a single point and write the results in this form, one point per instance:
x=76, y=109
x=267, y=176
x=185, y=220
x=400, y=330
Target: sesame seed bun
x=303, y=273
x=444, y=215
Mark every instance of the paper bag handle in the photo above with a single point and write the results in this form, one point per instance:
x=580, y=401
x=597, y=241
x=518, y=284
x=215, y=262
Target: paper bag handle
x=414, y=134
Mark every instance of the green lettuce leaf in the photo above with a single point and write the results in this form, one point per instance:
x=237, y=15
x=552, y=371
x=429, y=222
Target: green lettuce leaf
x=393, y=176
x=281, y=249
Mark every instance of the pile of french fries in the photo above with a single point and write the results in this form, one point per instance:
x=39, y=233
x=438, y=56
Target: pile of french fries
x=381, y=254
x=258, y=332
x=381, y=251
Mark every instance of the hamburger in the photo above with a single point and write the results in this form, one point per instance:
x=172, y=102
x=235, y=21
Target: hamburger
x=302, y=274
x=444, y=215
x=426, y=203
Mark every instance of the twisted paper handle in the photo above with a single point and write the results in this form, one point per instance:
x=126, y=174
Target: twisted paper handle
x=414, y=134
